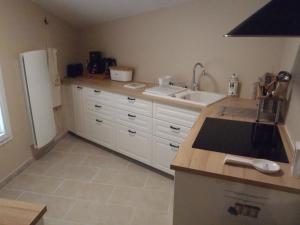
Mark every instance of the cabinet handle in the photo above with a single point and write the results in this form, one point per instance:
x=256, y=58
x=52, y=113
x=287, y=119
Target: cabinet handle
x=78, y=87
x=175, y=128
x=132, y=116
x=132, y=132
x=99, y=121
x=131, y=100
x=174, y=146
x=96, y=91
x=98, y=106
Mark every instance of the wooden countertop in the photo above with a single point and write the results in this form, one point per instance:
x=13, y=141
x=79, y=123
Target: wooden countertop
x=212, y=164
x=118, y=87
x=20, y=213
x=207, y=162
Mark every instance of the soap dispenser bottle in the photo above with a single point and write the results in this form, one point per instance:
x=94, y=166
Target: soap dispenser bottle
x=233, y=85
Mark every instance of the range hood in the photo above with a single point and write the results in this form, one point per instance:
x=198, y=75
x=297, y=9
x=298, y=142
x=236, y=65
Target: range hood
x=278, y=18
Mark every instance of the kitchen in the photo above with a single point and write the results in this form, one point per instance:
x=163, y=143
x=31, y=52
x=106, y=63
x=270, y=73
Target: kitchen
x=156, y=40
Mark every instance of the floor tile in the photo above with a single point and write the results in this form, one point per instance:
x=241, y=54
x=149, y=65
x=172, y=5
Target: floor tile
x=9, y=194
x=57, y=207
x=149, y=217
x=37, y=168
x=104, y=176
x=126, y=196
x=72, y=172
x=85, y=191
x=155, y=200
x=82, y=184
x=129, y=179
x=88, y=212
x=34, y=183
x=51, y=221
x=158, y=182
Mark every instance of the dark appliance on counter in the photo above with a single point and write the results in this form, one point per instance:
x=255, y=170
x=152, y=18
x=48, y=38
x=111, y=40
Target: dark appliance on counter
x=278, y=18
x=247, y=139
x=75, y=70
x=96, y=63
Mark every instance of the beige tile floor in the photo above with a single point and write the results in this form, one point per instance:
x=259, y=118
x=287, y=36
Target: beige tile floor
x=82, y=184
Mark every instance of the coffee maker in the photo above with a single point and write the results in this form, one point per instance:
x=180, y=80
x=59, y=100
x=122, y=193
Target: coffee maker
x=96, y=64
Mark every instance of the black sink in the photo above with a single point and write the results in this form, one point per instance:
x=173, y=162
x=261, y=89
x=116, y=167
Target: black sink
x=241, y=138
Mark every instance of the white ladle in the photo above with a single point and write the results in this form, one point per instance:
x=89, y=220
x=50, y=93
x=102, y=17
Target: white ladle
x=262, y=165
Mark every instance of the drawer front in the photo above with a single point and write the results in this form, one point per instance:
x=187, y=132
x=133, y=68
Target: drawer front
x=135, y=105
x=100, y=130
x=176, y=115
x=134, y=120
x=101, y=96
x=102, y=110
x=164, y=151
x=170, y=131
x=135, y=144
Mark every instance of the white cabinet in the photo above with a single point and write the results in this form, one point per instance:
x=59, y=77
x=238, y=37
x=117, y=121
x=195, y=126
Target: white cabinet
x=105, y=111
x=134, y=120
x=125, y=124
x=100, y=130
x=104, y=97
x=79, y=110
x=175, y=115
x=170, y=131
x=135, y=105
x=135, y=144
x=164, y=152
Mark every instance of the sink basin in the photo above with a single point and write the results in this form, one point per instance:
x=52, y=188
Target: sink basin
x=203, y=98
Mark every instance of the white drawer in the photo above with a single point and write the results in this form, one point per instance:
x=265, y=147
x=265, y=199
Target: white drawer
x=164, y=151
x=134, y=143
x=136, y=105
x=134, y=120
x=102, y=110
x=100, y=130
x=170, y=131
x=101, y=96
x=176, y=115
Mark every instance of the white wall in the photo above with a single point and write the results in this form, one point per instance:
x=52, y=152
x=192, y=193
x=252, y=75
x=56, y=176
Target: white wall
x=291, y=62
x=22, y=29
x=170, y=41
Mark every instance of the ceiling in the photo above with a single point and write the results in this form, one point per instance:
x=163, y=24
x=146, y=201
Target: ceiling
x=81, y=13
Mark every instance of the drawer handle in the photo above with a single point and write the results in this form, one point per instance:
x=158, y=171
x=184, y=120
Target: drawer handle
x=174, y=146
x=78, y=87
x=132, y=116
x=131, y=100
x=132, y=132
x=99, y=121
x=175, y=128
x=98, y=106
x=96, y=91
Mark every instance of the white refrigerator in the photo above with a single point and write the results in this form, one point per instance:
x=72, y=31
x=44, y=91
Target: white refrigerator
x=38, y=94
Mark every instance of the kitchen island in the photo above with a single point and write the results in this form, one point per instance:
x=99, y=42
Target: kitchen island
x=20, y=213
x=209, y=192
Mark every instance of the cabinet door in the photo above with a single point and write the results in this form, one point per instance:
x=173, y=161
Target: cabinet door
x=135, y=144
x=100, y=130
x=79, y=110
x=164, y=152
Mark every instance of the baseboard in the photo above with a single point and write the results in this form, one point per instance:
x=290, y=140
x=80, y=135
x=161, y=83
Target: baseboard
x=40, y=152
x=16, y=172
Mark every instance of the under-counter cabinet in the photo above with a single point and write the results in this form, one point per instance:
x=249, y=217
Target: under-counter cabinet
x=100, y=130
x=134, y=143
x=140, y=129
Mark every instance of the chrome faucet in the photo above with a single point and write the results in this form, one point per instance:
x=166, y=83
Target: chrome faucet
x=195, y=83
